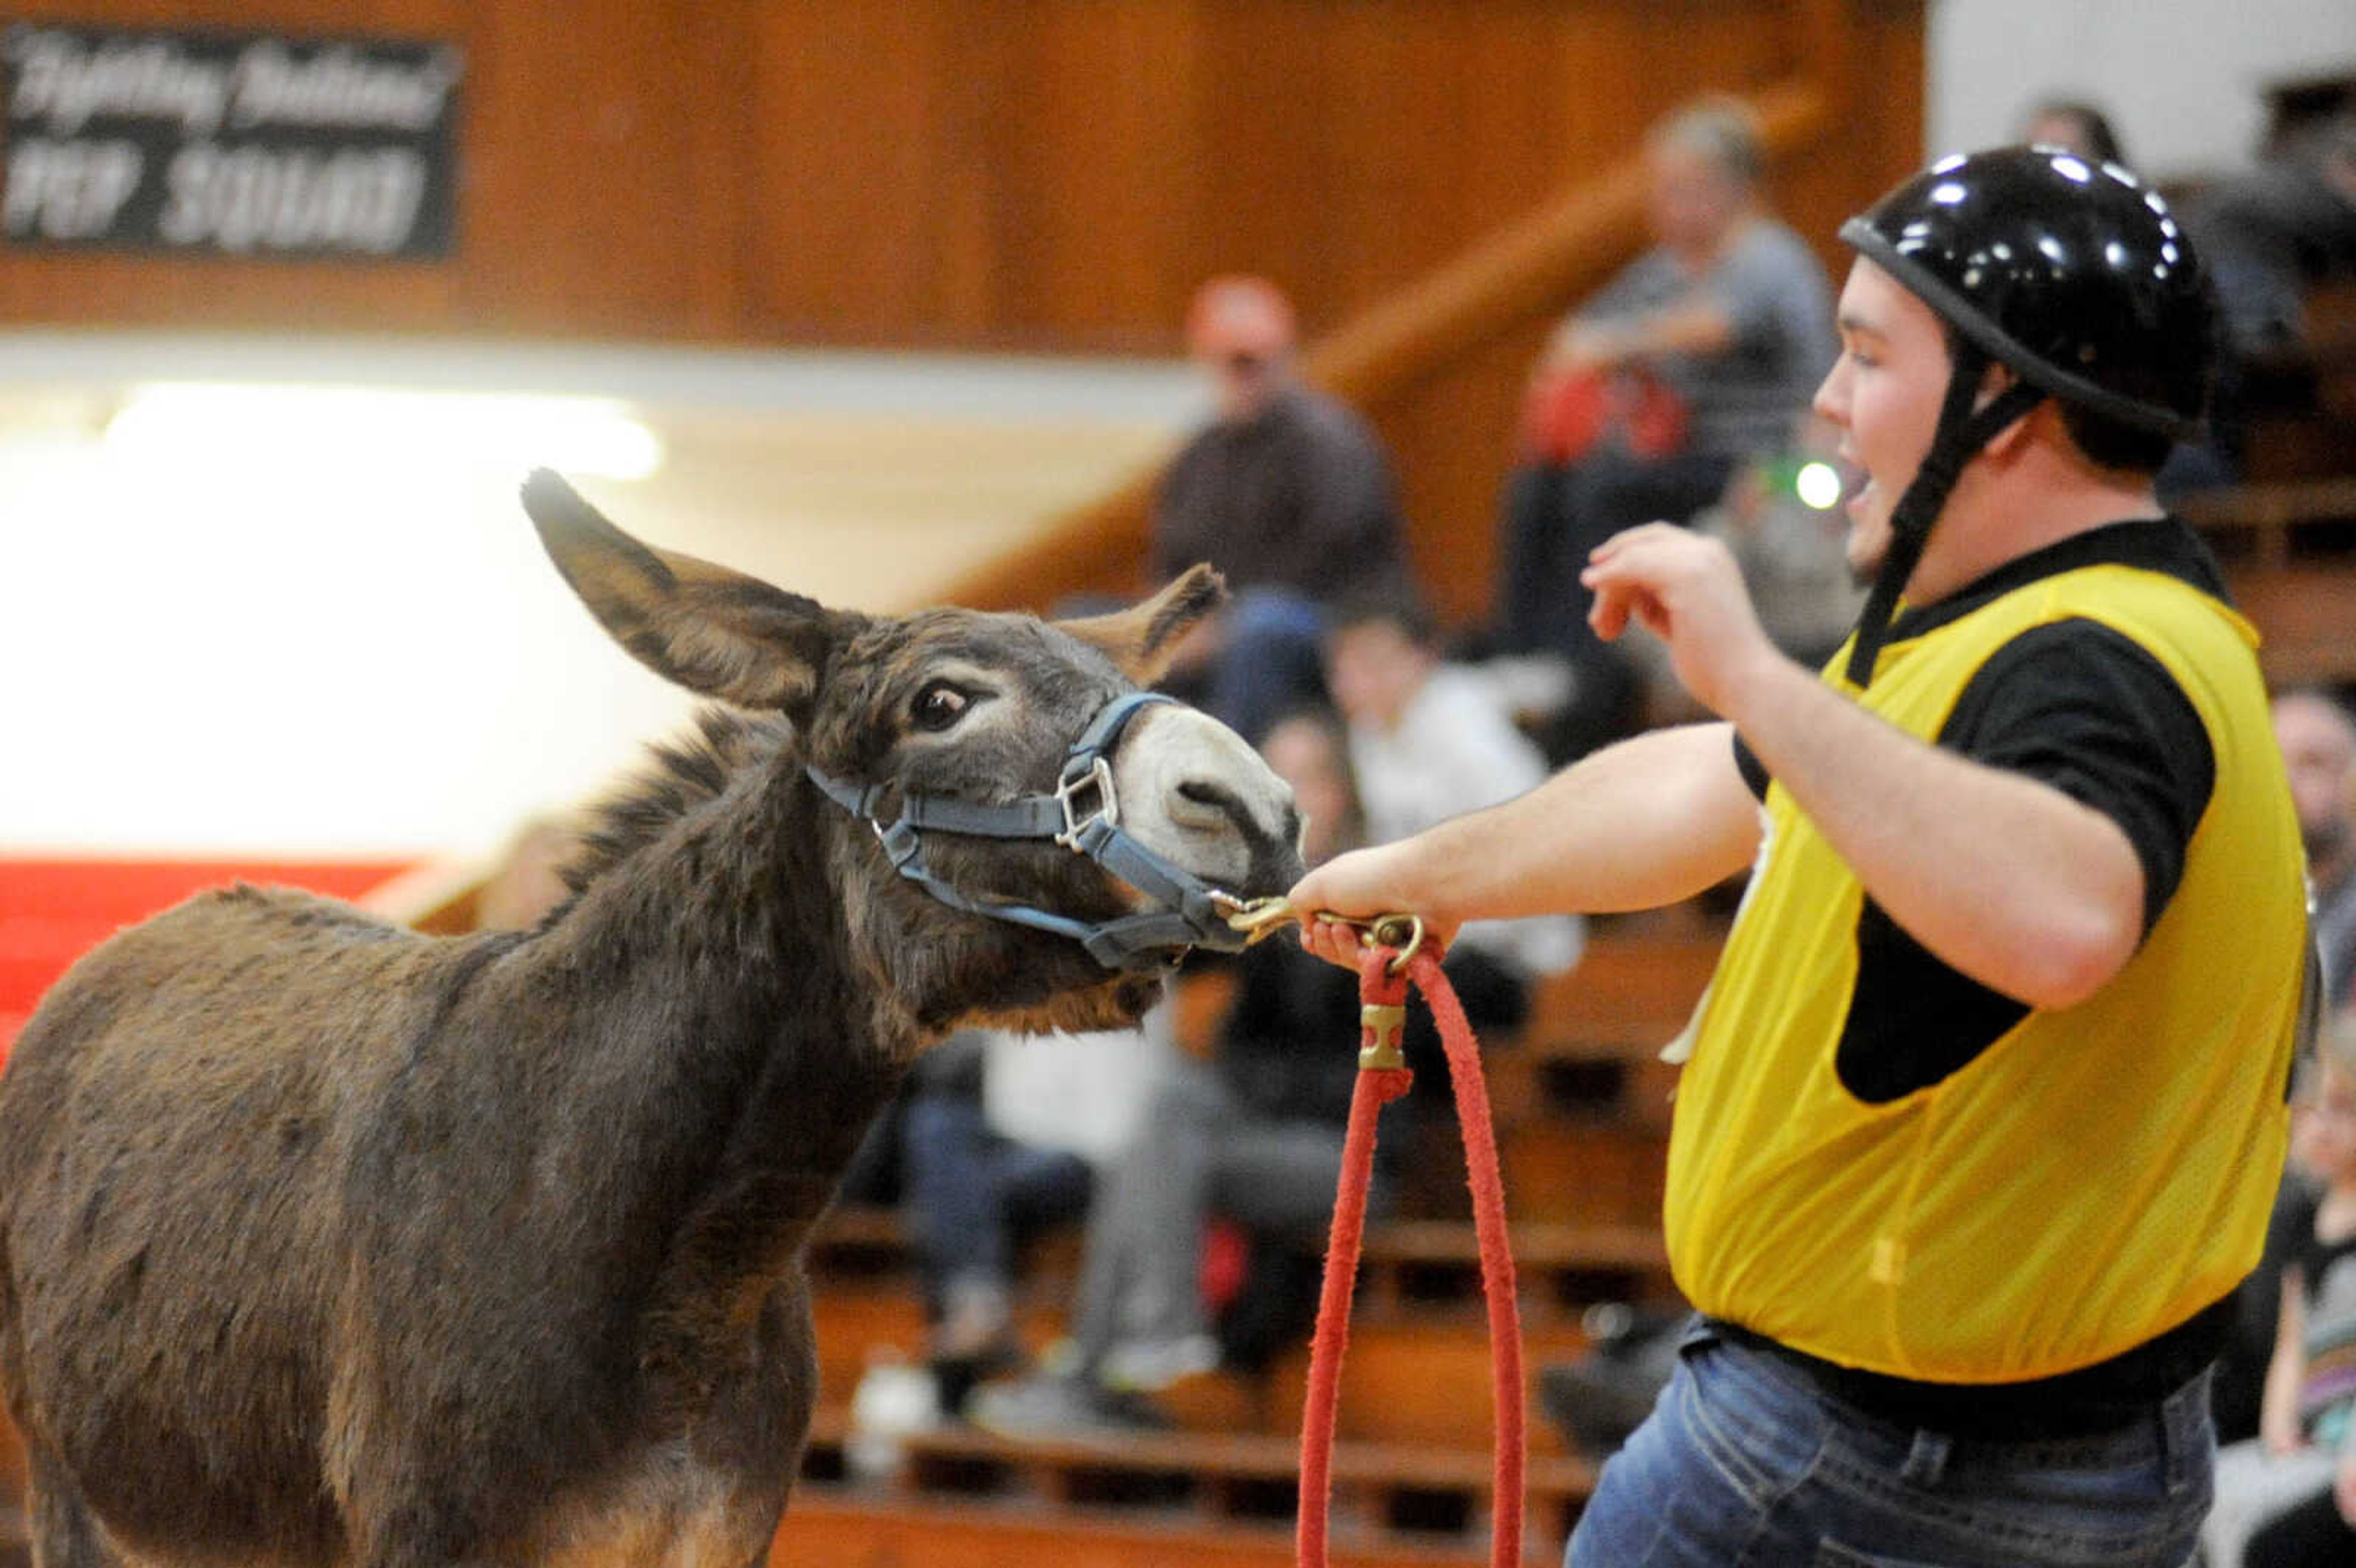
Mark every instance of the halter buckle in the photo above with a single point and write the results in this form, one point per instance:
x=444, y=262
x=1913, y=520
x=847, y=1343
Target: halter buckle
x=1098, y=777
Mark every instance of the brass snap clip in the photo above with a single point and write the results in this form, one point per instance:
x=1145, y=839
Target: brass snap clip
x=1256, y=918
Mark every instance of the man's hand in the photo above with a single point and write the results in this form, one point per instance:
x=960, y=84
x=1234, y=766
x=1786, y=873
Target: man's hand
x=2343, y=1487
x=1361, y=885
x=1685, y=588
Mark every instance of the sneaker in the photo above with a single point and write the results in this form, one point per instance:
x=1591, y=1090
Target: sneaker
x=1149, y=1366
x=977, y=1320
x=1042, y=1408
x=973, y=1343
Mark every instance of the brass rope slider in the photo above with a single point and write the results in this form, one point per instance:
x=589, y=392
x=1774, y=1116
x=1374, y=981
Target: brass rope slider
x=1382, y=1021
x=1257, y=917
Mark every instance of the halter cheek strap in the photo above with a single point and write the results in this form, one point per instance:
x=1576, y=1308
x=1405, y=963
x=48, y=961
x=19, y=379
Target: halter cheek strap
x=1962, y=436
x=1083, y=815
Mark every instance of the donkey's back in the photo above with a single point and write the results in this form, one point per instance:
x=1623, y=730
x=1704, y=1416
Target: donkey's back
x=177, y=1125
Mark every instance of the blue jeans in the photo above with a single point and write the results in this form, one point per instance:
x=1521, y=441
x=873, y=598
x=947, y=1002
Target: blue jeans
x=971, y=1193
x=1743, y=1461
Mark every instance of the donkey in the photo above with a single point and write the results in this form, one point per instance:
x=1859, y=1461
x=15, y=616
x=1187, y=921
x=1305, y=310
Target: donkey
x=323, y=1242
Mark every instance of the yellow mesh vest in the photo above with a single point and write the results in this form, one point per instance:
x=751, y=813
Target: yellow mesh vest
x=2096, y=1175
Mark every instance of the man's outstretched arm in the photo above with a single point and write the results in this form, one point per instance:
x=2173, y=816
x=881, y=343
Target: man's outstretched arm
x=2007, y=879
x=1646, y=822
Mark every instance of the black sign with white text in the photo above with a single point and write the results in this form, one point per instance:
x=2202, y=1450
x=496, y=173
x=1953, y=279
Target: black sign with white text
x=229, y=144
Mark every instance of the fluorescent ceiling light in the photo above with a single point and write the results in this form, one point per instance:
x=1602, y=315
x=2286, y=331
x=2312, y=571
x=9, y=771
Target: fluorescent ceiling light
x=207, y=425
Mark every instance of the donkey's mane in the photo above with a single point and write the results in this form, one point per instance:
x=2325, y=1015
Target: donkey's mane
x=679, y=776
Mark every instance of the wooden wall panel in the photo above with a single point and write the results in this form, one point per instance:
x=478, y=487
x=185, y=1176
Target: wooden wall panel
x=604, y=151
x=1452, y=438
x=1051, y=175
x=1046, y=176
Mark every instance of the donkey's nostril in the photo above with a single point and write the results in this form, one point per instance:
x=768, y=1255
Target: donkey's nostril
x=1205, y=804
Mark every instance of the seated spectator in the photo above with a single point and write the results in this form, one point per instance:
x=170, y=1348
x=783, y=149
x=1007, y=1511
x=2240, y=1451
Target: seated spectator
x=997, y=1138
x=1429, y=741
x=1703, y=352
x=1788, y=537
x=2076, y=126
x=2317, y=737
x=2289, y=1497
x=2272, y=233
x=1287, y=492
x=1253, y=1136
x=1782, y=519
x=2073, y=125
x=971, y=1194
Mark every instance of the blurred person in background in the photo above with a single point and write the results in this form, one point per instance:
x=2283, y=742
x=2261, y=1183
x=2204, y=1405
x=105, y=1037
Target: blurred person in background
x=1288, y=492
x=2277, y=231
x=2318, y=738
x=1250, y=1139
x=2287, y=1499
x=1703, y=352
x=1002, y=1140
x=1429, y=741
x=1782, y=518
x=2074, y=125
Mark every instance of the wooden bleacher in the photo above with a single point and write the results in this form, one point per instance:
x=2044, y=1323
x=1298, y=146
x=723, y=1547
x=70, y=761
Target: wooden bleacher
x=1582, y=1103
x=2286, y=536
x=1412, y=1465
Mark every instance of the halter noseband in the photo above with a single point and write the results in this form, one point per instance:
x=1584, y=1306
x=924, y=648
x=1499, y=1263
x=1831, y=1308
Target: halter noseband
x=1083, y=815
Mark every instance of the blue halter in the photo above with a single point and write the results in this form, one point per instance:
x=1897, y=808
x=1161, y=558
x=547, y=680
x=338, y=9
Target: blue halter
x=1083, y=815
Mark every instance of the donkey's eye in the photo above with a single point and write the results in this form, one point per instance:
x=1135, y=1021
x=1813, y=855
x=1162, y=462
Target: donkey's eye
x=938, y=706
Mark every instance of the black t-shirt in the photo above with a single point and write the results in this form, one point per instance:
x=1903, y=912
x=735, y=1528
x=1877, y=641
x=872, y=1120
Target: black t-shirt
x=2073, y=704
x=2316, y=1257
x=1299, y=497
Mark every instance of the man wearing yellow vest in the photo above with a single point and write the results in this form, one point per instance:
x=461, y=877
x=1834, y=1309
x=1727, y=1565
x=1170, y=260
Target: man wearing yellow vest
x=1984, y=1109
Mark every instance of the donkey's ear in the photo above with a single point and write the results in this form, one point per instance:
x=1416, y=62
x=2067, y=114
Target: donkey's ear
x=709, y=629
x=1142, y=640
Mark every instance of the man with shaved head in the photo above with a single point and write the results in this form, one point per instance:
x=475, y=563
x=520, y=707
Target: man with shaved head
x=1287, y=492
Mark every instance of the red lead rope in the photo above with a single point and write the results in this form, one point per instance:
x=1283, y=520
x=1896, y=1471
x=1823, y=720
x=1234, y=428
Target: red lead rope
x=1382, y=1077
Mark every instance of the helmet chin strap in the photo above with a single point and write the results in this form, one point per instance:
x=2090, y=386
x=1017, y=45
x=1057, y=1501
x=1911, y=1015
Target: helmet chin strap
x=1962, y=436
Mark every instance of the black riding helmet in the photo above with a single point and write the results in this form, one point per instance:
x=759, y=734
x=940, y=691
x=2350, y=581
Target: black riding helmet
x=2071, y=273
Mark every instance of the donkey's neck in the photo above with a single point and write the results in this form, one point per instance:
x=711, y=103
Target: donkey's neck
x=730, y=1057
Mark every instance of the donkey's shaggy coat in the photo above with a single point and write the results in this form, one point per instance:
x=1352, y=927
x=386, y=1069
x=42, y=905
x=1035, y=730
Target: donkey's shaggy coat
x=323, y=1242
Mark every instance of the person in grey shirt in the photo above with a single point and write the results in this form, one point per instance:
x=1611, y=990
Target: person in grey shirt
x=1729, y=315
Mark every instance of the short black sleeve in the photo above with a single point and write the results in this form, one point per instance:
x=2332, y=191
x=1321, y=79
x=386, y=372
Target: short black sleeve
x=2081, y=707
x=1754, y=772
